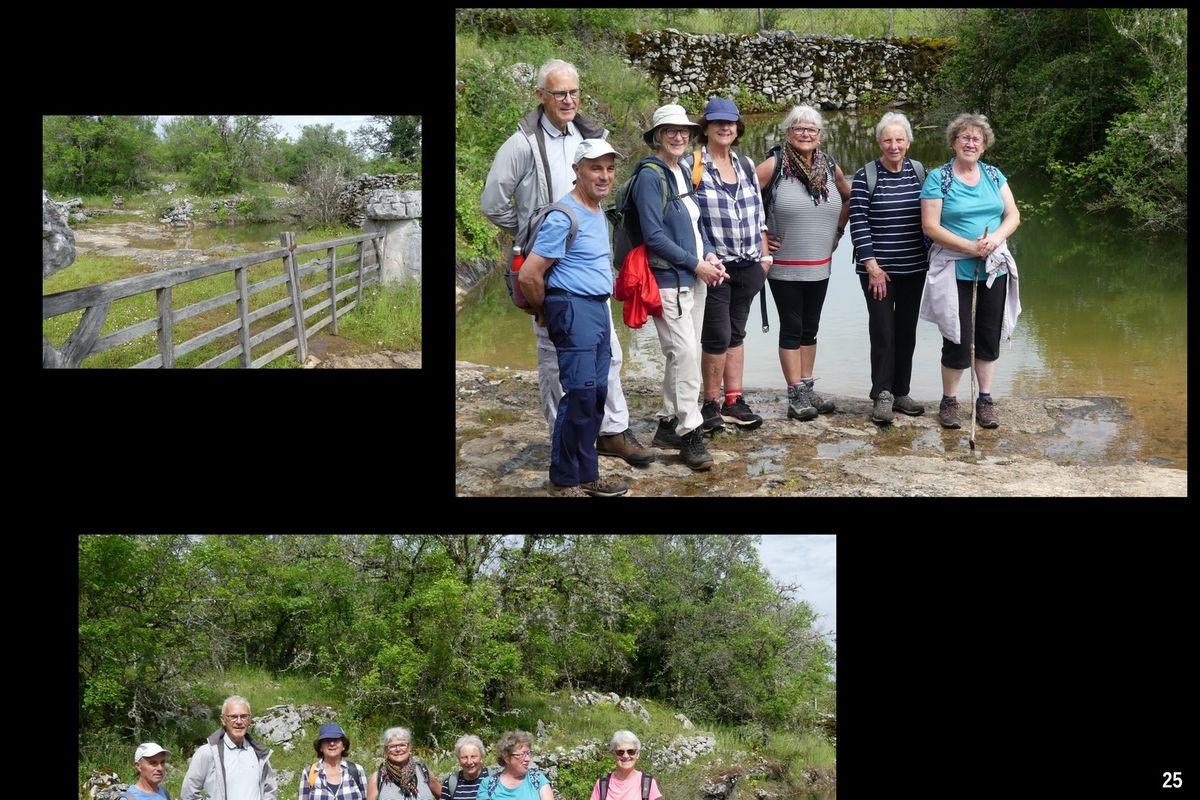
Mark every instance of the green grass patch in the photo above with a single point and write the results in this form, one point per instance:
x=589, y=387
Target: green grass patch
x=389, y=317
x=497, y=416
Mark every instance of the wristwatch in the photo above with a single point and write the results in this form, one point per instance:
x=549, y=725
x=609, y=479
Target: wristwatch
x=767, y=260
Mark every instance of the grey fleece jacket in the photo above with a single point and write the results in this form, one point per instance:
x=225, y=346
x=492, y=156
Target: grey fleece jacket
x=517, y=183
x=206, y=772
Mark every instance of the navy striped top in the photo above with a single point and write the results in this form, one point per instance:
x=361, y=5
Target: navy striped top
x=887, y=226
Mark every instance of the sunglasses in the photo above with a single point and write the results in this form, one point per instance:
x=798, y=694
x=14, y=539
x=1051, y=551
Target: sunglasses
x=625, y=752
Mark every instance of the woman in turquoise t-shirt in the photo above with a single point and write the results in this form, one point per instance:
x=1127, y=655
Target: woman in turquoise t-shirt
x=957, y=209
x=518, y=780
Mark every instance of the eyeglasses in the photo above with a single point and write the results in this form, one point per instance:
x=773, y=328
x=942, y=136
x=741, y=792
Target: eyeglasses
x=560, y=96
x=522, y=756
x=400, y=746
x=969, y=139
x=805, y=130
x=677, y=133
x=237, y=716
x=625, y=752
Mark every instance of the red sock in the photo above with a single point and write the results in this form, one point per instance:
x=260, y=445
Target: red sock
x=730, y=396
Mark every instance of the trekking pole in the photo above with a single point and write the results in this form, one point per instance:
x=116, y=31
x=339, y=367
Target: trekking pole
x=974, y=291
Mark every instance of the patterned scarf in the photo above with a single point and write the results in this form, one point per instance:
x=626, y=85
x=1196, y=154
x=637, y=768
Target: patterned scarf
x=814, y=177
x=403, y=775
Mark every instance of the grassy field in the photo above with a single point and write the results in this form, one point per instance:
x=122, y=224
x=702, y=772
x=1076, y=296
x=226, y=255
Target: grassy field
x=567, y=726
x=388, y=315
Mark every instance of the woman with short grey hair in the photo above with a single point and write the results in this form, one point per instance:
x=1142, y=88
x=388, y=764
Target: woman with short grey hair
x=463, y=784
x=519, y=780
x=891, y=262
x=626, y=782
x=805, y=221
x=401, y=776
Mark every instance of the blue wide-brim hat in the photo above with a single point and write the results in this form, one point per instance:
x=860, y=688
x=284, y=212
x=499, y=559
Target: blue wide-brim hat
x=331, y=730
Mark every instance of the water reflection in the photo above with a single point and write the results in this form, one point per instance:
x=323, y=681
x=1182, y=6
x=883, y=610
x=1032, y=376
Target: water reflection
x=1104, y=312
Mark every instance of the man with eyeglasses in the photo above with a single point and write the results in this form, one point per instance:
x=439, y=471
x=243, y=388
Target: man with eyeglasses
x=535, y=167
x=231, y=765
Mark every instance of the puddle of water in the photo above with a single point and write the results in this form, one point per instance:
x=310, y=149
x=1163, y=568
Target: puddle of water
x=839, y=449
x=1084, y=440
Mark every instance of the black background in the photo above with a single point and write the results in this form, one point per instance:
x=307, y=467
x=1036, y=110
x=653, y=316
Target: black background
x=985, y=647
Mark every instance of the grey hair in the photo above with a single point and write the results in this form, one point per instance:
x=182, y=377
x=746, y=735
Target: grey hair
x=469, y=739
x=893, y=118
x=396, y=732
x=624, y=736
x=657, y=134
x=233, y=699
x=963, y=121
x=508, y=742
x=554, y=65
x=803, y=113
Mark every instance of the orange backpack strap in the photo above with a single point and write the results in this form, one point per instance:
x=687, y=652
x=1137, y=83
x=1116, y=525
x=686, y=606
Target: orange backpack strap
x=312, y=775
x=697, y=169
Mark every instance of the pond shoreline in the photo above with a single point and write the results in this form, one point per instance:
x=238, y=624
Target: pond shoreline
x=503, y=449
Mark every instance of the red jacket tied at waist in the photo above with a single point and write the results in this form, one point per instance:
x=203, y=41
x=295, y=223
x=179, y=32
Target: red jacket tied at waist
x=637, y=288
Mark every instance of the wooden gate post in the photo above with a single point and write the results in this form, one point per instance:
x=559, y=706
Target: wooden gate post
x=333, y=289
x=288, y=240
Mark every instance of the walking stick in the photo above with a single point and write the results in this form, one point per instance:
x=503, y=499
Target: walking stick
x=974, y=291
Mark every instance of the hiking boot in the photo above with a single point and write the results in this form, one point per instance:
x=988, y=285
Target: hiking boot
x=604, y=488
x=906, y=405
x=740, y=414
x=799, y=406
x=712, y=416
x=985, y=413
x=666, y=436
x=624, y=445
x=693, y=452
x=823, y=405
x=948, y=413
x=882, y=412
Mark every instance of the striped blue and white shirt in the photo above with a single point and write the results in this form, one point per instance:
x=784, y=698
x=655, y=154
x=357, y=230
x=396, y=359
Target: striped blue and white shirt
x=733, y=220
x=887, y=226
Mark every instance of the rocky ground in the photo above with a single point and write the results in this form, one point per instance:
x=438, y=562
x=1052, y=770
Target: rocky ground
x=120, y=239
x=1044, y=447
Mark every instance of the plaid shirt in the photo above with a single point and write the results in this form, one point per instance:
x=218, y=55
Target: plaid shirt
x=734, y=223
x=346, y=790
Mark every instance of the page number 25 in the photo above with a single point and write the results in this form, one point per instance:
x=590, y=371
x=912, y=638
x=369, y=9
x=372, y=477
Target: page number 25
x=1172, y=780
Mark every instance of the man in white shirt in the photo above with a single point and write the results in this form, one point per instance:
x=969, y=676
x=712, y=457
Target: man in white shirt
x=231, y=765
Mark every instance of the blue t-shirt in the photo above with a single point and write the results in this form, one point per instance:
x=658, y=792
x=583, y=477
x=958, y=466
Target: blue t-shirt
x=587, y=268
x=967, y=210
x=138, y=794
x=525, y=789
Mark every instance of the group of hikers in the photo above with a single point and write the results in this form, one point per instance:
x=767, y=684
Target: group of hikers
x=715, y=227
x=232, y=765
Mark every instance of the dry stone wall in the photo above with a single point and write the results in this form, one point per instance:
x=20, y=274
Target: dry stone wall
x=785, y=68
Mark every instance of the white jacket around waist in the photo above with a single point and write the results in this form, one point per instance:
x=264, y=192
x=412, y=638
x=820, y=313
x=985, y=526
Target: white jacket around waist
x=939, y=304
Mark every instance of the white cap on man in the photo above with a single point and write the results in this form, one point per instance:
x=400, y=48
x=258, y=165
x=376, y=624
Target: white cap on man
x=594, y=148
x=148, y=749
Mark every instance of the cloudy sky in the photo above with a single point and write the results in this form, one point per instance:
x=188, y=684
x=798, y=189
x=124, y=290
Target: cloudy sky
x=291, y=125
x=810, y=561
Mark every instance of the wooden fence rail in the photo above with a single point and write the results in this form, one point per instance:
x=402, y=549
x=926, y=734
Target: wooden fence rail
x=96, y=301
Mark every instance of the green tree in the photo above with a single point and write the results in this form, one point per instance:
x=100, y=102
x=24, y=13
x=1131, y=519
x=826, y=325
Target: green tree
x=317, y=146
x=94, y=154
x=395, y=137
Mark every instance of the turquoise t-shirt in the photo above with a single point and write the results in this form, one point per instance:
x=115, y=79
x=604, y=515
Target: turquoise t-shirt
x=138, y=794
x=967, y=210
x=587, y=269
x=525, y=789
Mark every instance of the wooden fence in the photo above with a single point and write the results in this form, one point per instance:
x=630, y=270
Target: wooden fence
x=96, y=300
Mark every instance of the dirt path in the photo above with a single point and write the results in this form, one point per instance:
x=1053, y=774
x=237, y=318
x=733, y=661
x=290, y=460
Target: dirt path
x=1045, y=447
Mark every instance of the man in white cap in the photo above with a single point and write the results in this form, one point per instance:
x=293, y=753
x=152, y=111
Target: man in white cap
x=532, y=168
x=150, y=758
x=571, y=300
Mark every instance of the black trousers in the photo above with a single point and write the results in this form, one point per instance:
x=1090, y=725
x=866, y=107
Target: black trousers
x=893, y=329
x=799, y=305
x=989, y=316
x=728, y=307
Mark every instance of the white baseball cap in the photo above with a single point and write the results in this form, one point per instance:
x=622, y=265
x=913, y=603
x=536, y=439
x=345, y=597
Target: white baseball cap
x=148, y=749
x=594, y=148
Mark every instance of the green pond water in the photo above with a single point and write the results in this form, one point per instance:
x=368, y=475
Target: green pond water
x=1104, y=314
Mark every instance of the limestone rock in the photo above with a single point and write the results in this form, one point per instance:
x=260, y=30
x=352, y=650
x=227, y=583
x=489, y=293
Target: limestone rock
x=102, y=785
x=58, y=240
x=687, y=723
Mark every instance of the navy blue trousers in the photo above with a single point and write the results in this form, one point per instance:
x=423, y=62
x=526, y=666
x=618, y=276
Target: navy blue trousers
x=579, y=328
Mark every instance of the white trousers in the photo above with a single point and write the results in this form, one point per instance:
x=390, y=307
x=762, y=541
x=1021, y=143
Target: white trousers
x=679, y=337
x=616, y=413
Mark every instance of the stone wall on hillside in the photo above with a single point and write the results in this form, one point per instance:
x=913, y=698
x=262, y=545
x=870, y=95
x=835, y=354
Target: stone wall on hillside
x=352, y=203
x=786, y=68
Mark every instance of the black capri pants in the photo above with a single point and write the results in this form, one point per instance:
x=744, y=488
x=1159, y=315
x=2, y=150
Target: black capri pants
x=728, y=306
x=989, y=315
x=799, y=306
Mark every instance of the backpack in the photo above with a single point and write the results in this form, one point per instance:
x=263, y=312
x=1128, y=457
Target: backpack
x=420, y=765
x=527, y=241
x=452, y=781
x=535, y=779
x=873, y=174
x=948, y=175
x=355, y=772
x=768, y=191
x=626, y=228
x=646, y=779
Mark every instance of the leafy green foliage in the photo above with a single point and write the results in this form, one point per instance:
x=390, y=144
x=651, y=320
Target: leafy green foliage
x=91, y=154
x=396, y=137
x=318, y=145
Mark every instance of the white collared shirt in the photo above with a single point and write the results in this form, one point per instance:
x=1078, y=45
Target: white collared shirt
x=560, y=152
x=241, y=771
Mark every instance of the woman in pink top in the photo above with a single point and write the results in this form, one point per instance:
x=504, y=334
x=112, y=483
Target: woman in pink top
x=626, y=782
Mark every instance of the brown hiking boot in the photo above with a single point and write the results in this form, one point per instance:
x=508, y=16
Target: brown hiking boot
x=985, y=413
x=624, y=445
x=906, y=405
x=598, y=488
x=948, y=413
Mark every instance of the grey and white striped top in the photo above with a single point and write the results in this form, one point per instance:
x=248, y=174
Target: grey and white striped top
x=809, y=231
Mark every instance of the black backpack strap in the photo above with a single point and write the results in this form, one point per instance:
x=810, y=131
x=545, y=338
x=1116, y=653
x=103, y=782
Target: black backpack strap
x=357, y=773
x=540, y=134
x=646, y=780
x=604, y=786
x=379, y=779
